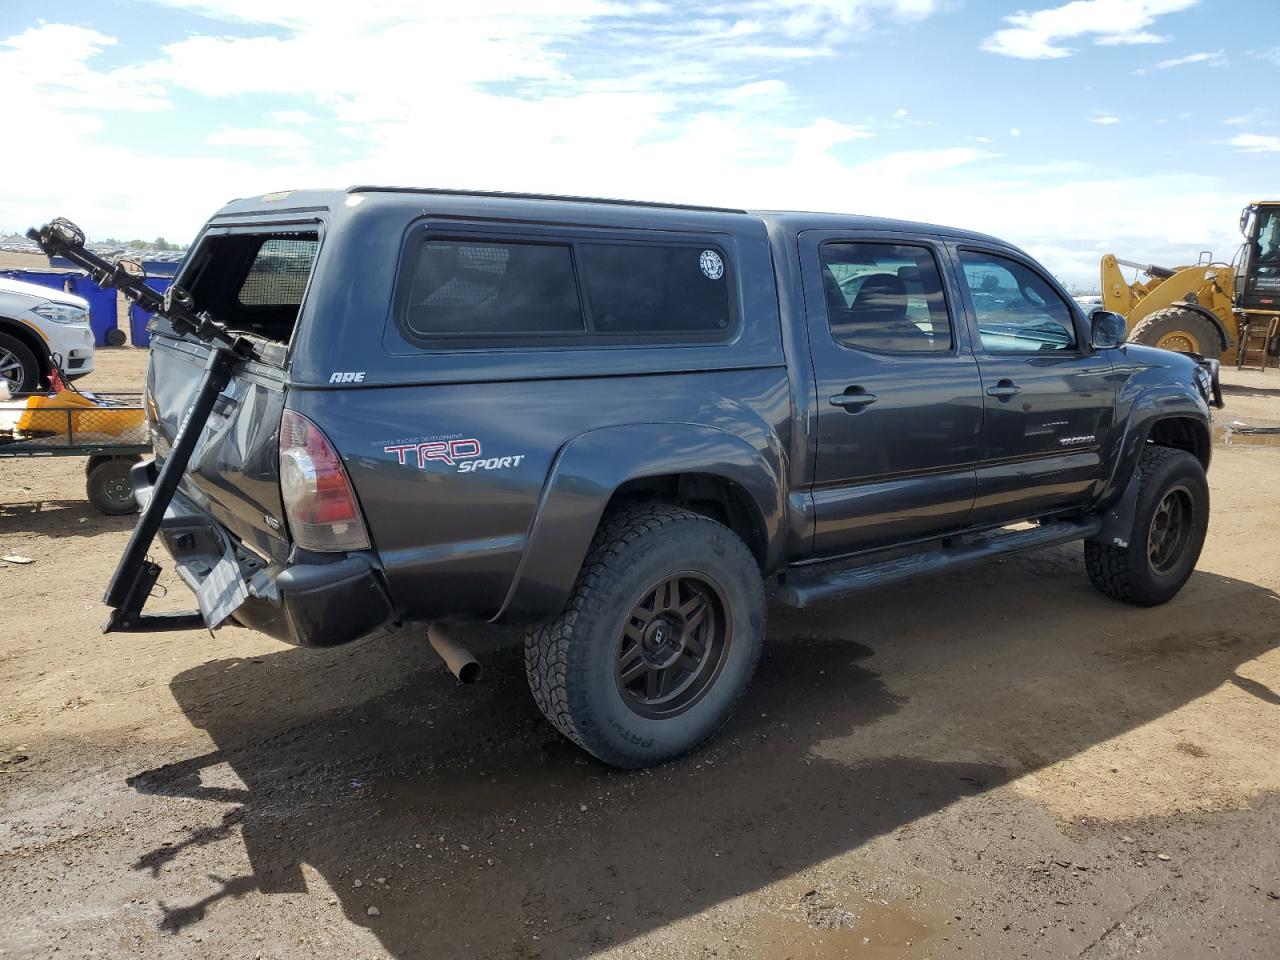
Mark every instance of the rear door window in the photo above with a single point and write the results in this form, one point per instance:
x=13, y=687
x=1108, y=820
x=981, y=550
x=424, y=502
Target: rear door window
x=885, y=297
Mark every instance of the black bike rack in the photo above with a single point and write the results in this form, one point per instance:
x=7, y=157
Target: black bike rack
x=136, y=575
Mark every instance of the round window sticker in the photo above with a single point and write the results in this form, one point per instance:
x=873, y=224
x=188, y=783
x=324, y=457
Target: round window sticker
x=711, y=264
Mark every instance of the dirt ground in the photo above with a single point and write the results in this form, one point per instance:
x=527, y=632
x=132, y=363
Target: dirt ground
x=1000, y=763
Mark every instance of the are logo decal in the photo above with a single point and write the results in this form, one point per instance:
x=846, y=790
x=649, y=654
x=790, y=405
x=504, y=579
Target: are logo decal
x=464, y=454
x=711, y=264
x=347, y=376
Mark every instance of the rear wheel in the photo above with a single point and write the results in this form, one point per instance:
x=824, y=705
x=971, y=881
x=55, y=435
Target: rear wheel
x=18, y=366
x=659, y=639
x=109, y=487
x=1169, y=526
x=1178, y=328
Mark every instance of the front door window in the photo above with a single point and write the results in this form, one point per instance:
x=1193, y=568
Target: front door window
x=1017, y=312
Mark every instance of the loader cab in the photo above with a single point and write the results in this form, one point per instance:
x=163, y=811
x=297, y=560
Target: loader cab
x=1258, y=277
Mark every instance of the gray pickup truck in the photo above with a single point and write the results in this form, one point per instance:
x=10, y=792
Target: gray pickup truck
x=615, y=422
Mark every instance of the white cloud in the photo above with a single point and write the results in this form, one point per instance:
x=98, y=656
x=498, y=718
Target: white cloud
x=900, y=113
x=1105, y=119
x=1256, y=143
x=41, y=101
x=257, y=137
x=1040, y=35
x=293, y=117
x=757, y=95
x=1215, y=58
x=567, y=96
x=1129, y=39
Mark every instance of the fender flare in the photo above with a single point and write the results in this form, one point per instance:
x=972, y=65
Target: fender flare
x=593, y=465
x=1120, y=496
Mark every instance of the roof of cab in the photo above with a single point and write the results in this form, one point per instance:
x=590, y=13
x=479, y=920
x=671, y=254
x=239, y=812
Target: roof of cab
x=793, y=221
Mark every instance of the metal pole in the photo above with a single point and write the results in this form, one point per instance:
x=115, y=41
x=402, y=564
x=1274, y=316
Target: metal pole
x=217, y=374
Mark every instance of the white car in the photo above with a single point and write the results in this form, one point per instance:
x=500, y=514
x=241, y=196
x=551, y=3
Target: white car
x=37, y=323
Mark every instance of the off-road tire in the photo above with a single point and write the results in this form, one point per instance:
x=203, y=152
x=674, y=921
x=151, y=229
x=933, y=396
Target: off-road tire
x=1171, y=320
x=109, y=487
x=1126, y=573
x=30, y=377
x=570, y=661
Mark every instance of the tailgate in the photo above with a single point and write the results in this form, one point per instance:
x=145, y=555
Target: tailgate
x=234, y=471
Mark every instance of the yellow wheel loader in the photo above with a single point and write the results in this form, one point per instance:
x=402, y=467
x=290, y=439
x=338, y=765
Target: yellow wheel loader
x=1203, y=308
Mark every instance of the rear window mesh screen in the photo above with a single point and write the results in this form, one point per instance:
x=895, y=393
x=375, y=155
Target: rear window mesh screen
x=466, y=287
x=279, y=273
x=644, y=288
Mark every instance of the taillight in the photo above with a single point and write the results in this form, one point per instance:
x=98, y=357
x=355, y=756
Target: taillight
x=318, y=499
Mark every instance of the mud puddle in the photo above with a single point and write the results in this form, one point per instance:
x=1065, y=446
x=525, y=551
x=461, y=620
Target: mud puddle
x=824, y=923
x=1252, y=434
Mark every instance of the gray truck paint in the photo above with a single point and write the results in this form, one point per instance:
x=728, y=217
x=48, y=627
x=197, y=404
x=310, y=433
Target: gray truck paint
x=933, y=456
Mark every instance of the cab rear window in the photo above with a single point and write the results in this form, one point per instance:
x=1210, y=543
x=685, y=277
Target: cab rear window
x=253, y=282
x=595, y=291
x=279, y=273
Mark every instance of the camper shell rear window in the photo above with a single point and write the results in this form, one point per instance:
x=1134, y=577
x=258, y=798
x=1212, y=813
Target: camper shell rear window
x=532, y=289
x=253, y=282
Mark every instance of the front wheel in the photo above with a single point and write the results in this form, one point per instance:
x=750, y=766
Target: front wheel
x=18, y=366
x=659, y=638
x=1169, y=526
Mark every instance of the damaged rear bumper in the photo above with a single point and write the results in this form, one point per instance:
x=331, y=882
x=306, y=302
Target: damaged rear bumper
x=316, y=601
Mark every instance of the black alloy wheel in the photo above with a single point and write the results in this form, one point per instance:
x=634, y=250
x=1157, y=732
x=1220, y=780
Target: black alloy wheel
x=673, y=645
x=1171, y=528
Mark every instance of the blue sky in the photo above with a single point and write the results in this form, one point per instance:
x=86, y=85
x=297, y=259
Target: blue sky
x=1139, y=126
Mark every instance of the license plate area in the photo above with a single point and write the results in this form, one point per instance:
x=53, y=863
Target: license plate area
x=216, y=569
x=222, y=591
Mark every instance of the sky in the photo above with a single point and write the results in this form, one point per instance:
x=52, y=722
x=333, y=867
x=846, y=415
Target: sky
x=1139, y=127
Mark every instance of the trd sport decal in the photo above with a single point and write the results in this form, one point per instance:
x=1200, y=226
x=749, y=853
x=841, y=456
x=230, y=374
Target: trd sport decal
x=463, y=454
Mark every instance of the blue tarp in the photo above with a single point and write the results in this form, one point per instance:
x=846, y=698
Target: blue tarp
x=139, y=336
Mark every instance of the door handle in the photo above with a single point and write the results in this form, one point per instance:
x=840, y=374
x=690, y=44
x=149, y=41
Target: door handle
x=853, y=401
x=1004, y=390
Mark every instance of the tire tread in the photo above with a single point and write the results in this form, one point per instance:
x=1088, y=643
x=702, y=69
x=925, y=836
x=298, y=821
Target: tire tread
x=1111, y=568
x=548, y=646
x=1143, y=332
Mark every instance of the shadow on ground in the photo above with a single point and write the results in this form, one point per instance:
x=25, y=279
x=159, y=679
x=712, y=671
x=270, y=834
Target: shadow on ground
x=498, y=838
x=60, y=518
x=1247, y=390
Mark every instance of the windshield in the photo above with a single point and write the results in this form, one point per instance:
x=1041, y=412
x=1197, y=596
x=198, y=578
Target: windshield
x=1268, y=238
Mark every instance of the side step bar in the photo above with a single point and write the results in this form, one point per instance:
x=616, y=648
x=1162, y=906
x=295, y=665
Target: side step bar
x=804, y=588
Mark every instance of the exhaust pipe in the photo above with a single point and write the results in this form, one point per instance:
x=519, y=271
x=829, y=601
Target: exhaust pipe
x=455, y=656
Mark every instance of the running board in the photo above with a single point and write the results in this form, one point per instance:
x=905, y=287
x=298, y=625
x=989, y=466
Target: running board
x=806, y=587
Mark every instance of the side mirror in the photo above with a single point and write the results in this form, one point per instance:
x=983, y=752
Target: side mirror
x=1107, y=329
